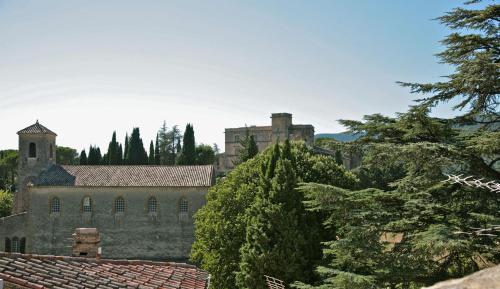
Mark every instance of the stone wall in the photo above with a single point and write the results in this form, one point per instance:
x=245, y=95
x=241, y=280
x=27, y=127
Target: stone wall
x=30, y=167
x=134, y=234
x=13, y=226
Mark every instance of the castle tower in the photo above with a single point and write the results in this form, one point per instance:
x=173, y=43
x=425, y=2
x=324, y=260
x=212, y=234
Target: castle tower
x=37, y=151
x=281, y=124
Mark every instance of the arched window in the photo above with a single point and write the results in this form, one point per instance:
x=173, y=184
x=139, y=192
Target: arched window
x=32, y=150
x=51, y=151
x=152, y=205
x=55, y=205
x=183, y=206
x=8, y=245
x=22, y=245
x=15, y=245
x=87, y=205
x=119, y=205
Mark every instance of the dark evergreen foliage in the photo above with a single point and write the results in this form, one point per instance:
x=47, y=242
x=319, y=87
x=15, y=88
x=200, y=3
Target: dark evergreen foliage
x=249, y=147
x=136, y=154
x=95, y=157
x=157, y=151
x=151, y=157
x=113, y=155
x=205, y=155
x=125, y=150
x=188, y=153
x=222, y=224
x=83, y=158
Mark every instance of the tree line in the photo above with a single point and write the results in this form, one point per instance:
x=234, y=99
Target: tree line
x=169, y=148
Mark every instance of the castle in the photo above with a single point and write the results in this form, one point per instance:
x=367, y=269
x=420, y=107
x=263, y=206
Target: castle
x=281, y=128
x=141, y=212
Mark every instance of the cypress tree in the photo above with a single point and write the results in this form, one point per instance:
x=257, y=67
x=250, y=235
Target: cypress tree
x=125, y=150
x=338, y=158
x=136, y=153
x=112, y=155
x=249, y=147
x=188, y=154
x=95, y=157
x=83, y=158
x=275, y=243
x=151, y=160
x=157, y=151
x=119, y=155
x=98, y=156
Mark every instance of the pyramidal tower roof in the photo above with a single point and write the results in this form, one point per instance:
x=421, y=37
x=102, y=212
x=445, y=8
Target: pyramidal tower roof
x=36, y=128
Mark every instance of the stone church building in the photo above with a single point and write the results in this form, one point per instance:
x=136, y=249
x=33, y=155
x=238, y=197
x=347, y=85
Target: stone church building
x=141, y=212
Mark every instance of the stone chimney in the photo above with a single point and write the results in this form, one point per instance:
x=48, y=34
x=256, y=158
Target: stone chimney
x=86, y=243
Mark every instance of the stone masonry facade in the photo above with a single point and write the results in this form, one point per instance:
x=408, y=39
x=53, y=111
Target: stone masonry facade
x=140, y=212
x=281, y=128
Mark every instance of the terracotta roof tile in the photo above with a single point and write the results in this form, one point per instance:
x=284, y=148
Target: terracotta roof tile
x=127, y=176
x=36, y=128
x=38, y=271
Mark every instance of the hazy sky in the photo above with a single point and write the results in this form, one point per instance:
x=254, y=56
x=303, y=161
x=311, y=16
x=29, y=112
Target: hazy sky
x=86, y=68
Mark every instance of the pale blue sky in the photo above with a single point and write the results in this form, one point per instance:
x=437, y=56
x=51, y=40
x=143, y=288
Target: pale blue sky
x=86, y=68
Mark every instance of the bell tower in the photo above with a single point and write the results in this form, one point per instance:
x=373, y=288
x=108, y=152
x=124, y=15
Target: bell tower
x=37, y=152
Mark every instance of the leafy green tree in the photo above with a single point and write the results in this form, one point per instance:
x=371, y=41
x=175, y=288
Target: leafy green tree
x=205, y=155
x=6, y=201
x=188, y=154
x=66, y=156
x=221, y=225
x=136, y=153
x=8, y=169
x=83, y=158
x=151, y=156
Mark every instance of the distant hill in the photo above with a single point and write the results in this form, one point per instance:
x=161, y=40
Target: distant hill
x=341, y=136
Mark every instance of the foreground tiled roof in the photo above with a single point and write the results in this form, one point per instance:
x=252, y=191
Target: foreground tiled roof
x=127, y=176
x=36, y=128
x=36, y=271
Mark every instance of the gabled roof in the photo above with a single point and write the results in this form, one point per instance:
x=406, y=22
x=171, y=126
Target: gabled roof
x=127, y=176
x=38, y=271
x=36, y=129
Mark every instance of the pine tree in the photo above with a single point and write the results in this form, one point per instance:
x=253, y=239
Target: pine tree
x=83, y=158
x=151, y=159
x=188, y=154
x=473, y=51
x=157, y=151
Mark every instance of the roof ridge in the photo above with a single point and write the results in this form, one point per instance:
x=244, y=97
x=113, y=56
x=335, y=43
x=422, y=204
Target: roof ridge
x=95, y=260
x=36, y=128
